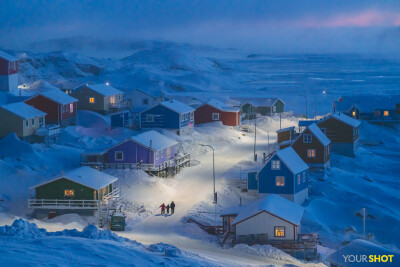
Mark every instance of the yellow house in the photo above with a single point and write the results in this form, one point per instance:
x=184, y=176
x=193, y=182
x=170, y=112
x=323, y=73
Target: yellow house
x=20, y=118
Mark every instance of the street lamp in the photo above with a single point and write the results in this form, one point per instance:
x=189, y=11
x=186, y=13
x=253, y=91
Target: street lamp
x=215, y=196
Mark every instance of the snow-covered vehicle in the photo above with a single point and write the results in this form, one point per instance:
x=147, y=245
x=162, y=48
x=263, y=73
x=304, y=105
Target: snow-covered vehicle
x=117, y=221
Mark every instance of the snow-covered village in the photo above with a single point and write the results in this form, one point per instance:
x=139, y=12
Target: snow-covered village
x=199, y=133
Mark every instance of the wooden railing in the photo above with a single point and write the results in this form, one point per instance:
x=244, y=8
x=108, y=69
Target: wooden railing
x=62, y=204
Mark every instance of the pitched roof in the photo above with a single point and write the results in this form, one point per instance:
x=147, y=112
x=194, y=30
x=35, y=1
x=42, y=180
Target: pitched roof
x=7, y=57
x=86, y=176
x=58, y=97
x=285, y=129
x=104, y=89
x=292, y=160
x=177, y=106
x=258, y=102
x=361, y=247
x=346, y=119
x=275, y=205
x=23, y=110
x=365, y=103
x=158, y=141
x=316, y=131
x=222, y=106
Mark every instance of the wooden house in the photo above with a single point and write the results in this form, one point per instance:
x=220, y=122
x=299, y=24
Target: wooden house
x=342, y=131
x=313, y=147
x=249, y=107
x=215, y=110
x=284, y=174
x=286, y=136
x=82, y=189
x=353, y=253
x=22, y=119
x=8, y=73
x=102, y=98
x=143, y=100
x=172, y=114
x=378, y=109
x=150, y=151
x=267, y=220
x=59, y=107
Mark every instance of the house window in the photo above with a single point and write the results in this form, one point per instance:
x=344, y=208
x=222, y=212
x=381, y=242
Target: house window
x=280, y=181
x=307, y=138
x=27, y=123
x=275, y=165
x=274, y=109
x=162, y=153
x=33, y=122
x=311, y=153
x=41, y=122
x=119, y=155
x=215, y=116
x=71, y=108
x=91, y=100
x=377, y=113
x=182, y=117
x=168, y=152
x=186, y=117
x=145, y=101
x=191, y=116
x=298, y=178
x=323, y=130
x=386, y=113
x=304, y=177
x=149, y=117
x=112, y=99
x=353, y=113
x=279, y=231
x=157, y=155
x=69, y=193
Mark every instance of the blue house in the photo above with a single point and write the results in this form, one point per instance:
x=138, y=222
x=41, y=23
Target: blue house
x=284, y=174
x=171, y=114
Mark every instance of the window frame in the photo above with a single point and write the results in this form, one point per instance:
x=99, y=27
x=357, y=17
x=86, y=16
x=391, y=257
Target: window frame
x=298, y=179
x=33, y=122
x=386, y=113
x=69, y=192
x=312, y=156
x=27, y=123
x=215, y=116
x=90, y=100
x=168, y=152
x=122, y=155
x=307, y=138
x=275, y=165
x=304, y=177
x=149, y=116
x=282, y=181
x=145, y=101
x=284, y=231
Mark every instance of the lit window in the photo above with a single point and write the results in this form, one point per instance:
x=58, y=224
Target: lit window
x=149, y=117
x=69, y=193
x=215, y=116
x=279, y=231
x=280, y=181
x=311, y=153
x=112, y=99
x=298, y=178
x=275, y=165
x=386, y=113
x=71, y=108
x=119, y=155
x=353, y=113
x=307, y=138
x=91, y=100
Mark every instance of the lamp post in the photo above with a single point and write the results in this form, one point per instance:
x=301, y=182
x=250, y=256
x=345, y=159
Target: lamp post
x=215, y=197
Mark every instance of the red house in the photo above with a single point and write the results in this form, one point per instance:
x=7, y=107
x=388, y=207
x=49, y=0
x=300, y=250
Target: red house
x=215, y=110
x=8, y=72
x=60, y=107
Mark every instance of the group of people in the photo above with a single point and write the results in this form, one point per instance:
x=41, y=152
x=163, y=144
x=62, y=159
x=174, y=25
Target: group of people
x=167, y=208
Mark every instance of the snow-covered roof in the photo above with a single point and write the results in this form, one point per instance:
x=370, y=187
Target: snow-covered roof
x=258, y=102
x=346, y=119
x=306, y=123
x=362, y=247
x=316, y=131
x=7, y=57
x=285, y=129
x=292, y=160
x=222, y=106
x=104, y=89
x=231, y=210
x=23, y=110
x=275, y=205
x=177, y=106
x=59, y=97
x=365, y=103
x=158, y=141
x=86, y=176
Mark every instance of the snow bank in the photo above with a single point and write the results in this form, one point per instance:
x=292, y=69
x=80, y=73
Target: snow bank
x=264, y=251
x=22, y=229
x=12, y=146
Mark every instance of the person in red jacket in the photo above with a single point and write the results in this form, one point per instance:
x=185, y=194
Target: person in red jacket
x=162, y=209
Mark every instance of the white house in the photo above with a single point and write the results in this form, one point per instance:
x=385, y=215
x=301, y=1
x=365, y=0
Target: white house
x=268, y=219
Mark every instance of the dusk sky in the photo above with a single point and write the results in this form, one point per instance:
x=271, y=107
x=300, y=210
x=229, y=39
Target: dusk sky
x=293, y=26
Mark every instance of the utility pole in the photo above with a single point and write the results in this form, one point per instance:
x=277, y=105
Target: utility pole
x=255, y=137
x=214, y=194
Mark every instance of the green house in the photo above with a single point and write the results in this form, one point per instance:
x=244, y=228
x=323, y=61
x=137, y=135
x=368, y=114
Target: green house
x=249, y=107
x=81, y=188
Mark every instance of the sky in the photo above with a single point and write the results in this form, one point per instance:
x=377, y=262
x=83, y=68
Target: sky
x=271, y=25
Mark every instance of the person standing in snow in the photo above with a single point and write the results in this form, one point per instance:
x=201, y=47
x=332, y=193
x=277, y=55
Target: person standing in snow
x=162, y=209
x=168, y=209
x=172, y=207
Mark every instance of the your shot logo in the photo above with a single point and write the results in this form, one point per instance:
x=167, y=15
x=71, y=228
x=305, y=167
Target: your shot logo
x=368, y=258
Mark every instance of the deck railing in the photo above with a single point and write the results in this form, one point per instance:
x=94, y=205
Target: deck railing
x=62, y=204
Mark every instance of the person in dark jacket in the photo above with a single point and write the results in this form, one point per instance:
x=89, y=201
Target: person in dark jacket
x=172, y=207
x=162, y=209
x=168, y=209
